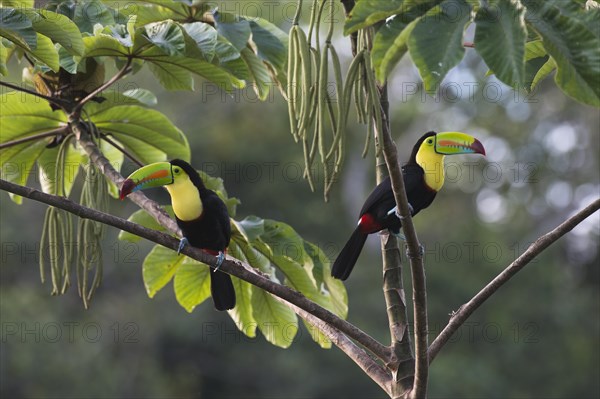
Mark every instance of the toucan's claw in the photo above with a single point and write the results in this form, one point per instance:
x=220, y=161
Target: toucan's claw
x=182, y=243
x=395, y=211
x=220, y=259
x=398, y=235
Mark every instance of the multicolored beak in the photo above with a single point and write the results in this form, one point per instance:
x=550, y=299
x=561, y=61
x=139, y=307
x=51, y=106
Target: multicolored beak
x=452, y=143
x=154, y=175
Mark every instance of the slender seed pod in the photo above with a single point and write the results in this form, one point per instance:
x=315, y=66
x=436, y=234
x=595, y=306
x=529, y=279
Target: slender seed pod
x=342, y=112
x=307, y=164
x=307, y=81
x=375, y=107
x=291, y=81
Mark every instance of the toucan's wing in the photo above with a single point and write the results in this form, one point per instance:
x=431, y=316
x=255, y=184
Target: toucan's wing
x=381, y=200
x=218, y=210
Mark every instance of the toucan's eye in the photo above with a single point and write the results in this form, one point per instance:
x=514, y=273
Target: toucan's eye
x=176, y=170
x=430, y=141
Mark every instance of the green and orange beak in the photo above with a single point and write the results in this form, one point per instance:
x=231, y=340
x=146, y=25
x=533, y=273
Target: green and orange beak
x=154, y=175
x=451, y=143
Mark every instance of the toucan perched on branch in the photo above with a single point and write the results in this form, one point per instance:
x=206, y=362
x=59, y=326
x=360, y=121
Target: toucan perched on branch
x=423, y=178
x=200, y=213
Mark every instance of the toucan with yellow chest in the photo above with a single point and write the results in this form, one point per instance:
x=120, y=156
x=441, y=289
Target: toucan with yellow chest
x=201, y=215
x=423, y=178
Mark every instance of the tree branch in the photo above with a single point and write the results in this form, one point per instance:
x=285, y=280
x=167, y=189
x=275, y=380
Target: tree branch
x=56, y=101
x=415, y=256
x=374, y=370
x=231, y=266
x=543, y=242
x=55, y=132
x=93, y=152
x=122, y=72
x=402, y=363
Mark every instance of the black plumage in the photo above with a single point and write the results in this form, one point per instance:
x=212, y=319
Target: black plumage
x=212, y=233
x=375, y=216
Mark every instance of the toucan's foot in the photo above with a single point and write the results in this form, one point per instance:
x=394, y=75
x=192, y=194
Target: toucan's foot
x=398, y=235
x=182, y=243
x=220, y=259
x=395, y=211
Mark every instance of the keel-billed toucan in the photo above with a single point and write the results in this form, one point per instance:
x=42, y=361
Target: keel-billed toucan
x=200, y=213
x=423, y=178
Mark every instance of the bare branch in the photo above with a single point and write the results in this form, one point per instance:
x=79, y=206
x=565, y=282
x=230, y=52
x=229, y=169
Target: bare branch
x=415, y=256
x=373, y=369
x=56, y=101
x=231, y=266
x=535, y=249
x=55, y=132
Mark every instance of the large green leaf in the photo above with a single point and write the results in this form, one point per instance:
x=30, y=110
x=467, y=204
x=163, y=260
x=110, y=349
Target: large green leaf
x=242, y=312
x=104, y=45
x=271, y=42
x=16, y=27
x=143, y=218
x=205, y=37
x=159, y=268
x=259, y=75
x=18, y=3
x=328, y=286
x=3, y=59
x=57, y=27
x=573, y=46
x=277, y=322
x=46, y=52
x=368, y=12
x=234, y=28
x=390, y=45
x=166, y=35
x=543, y=72
x=18, y=168
x=25, y=115
x=500, y=39
x=435, y=57
x=173, y=71
x=147, y=126
x=86, y=14
x=192, y=284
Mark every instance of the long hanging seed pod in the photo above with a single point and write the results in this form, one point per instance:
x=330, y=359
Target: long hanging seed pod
x=374, y=103
x=90, y=233
x=56, y=247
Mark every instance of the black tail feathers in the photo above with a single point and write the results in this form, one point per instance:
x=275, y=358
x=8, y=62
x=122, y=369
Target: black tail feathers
x=343, y=265
x=222, y=290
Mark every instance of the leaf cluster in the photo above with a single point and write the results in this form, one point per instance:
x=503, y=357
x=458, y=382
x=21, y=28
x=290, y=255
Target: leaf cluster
x=521, y=41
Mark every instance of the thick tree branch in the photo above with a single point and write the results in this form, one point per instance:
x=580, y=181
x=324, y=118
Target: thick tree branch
x=55, y=132
x=231, y=266
x=373, y=369
x=415, y=256
x=402, y=363
x=543, y=242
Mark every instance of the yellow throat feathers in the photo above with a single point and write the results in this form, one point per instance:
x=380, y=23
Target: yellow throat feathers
x=185, y=198
x=433, y=165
